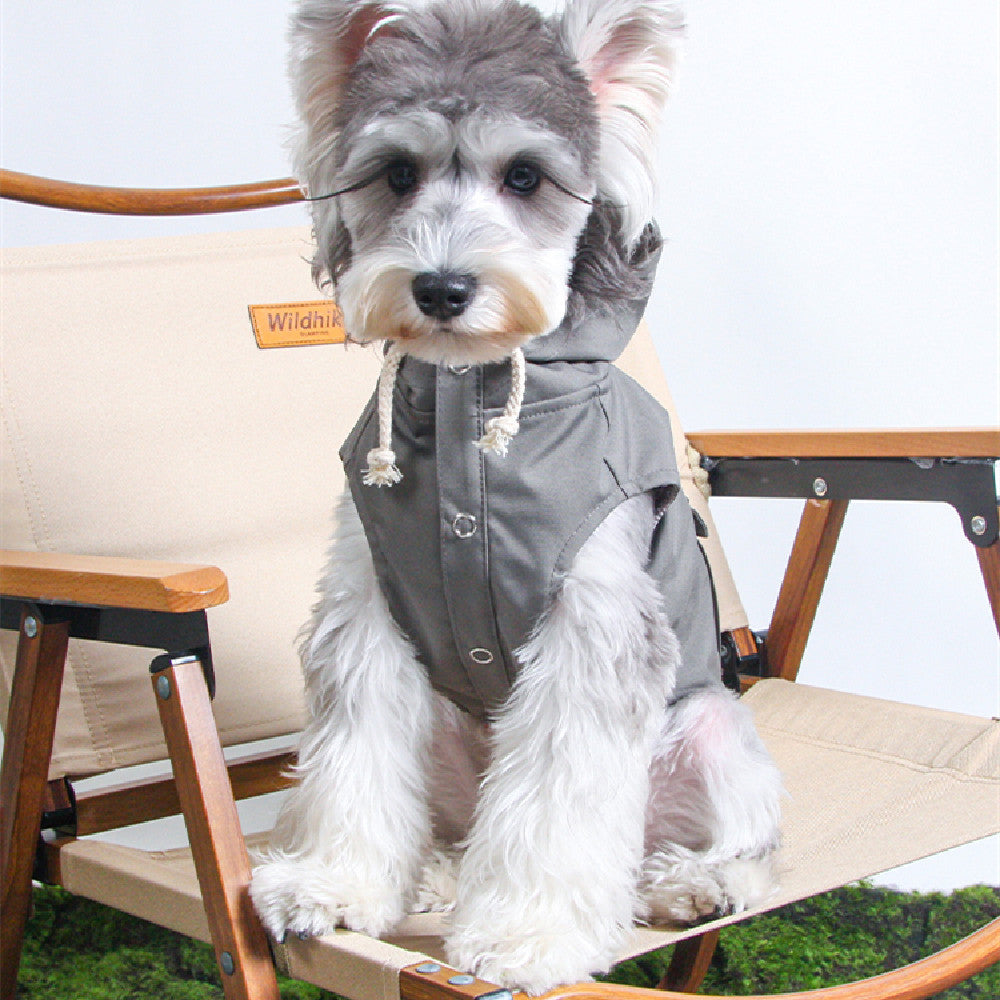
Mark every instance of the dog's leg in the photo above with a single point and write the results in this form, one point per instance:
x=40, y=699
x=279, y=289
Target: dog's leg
x=712, y=823
x=546, y=889
x=351, y=835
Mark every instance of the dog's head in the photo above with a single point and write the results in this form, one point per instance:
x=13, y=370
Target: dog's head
x=469, y=154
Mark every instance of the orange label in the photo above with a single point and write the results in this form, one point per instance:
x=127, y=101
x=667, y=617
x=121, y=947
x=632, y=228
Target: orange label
x=292, y=324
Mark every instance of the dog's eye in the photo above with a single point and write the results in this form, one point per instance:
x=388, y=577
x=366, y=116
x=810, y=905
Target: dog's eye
x=401, y=176
x=523, y=178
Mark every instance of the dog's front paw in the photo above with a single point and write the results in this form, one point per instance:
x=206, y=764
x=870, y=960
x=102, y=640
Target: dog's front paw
x=307, y=898
x=684, y=887
x=531, y=959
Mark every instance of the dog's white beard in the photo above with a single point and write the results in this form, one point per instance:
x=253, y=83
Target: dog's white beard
x=520, y=294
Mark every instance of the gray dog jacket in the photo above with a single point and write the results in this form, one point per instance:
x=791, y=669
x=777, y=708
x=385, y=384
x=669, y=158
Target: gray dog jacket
x=470, y=547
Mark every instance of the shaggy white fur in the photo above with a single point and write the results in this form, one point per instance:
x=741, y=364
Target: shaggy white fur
x=588, y=804
x=354, y=830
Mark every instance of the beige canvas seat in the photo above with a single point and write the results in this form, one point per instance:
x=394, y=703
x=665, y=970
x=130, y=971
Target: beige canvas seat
x=142, y=422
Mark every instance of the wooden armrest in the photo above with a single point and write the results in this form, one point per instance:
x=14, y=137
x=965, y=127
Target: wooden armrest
x=103, y=581
x=146, y=201
x=963, y=442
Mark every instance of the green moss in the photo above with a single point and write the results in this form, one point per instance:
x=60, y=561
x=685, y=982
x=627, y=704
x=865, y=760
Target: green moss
x=75, y=949
x=841, y=936
x=78, y=950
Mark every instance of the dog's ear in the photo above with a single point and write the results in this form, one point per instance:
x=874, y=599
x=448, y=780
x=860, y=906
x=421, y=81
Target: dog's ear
x=326, y=39
x=629, y=52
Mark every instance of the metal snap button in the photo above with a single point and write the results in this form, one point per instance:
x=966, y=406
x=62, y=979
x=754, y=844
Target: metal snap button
x=464, y=525
x=481, y=656
x=458, y=369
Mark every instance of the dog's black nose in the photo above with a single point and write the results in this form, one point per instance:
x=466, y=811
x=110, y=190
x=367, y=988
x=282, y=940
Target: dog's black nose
x=443, y=294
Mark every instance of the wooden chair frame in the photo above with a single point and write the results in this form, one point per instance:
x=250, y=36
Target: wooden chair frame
x=50, y=598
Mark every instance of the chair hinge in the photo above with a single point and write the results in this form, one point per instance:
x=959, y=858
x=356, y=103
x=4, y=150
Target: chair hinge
x=59, y=808
x=736, y=664
x=167, y=660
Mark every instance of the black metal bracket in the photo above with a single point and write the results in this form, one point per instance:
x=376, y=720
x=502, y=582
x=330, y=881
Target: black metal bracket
x=179, y=633
x=968, y=485
x=735, y=666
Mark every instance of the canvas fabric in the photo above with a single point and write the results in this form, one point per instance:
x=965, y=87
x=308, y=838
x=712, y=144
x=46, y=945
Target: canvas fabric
x=870, y=785
x=141, y=419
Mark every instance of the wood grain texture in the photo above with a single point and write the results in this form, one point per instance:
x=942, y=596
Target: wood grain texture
x=36, y=190
x=802, y=585
x=989, y=564
x=213, y=826
x=138, y=801
x=28, y=734
x=959, y=442
x=416, y=985
x=689, y=963
x=911, y=982
x=105, y=581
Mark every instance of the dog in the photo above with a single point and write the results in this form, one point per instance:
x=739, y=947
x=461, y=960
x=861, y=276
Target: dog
x=512, y=671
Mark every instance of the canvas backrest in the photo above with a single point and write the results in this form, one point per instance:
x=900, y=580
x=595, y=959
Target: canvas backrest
x=140, y=418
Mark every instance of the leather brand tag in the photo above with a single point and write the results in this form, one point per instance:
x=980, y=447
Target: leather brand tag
x=293, y=324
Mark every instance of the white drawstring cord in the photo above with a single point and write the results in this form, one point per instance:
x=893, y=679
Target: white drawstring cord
x=382, y=469
x=500, y=430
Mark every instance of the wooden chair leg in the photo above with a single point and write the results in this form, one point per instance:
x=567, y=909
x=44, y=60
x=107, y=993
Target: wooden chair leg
x=220, y=853
x=689, y=963
x=802, y=586
x=31, y=723
x=989, y=563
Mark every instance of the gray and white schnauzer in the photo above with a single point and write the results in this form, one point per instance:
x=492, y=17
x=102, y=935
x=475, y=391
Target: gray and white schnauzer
x=512, y=671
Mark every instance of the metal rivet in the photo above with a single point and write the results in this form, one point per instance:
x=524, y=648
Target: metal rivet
x=819, y=486
x=464, y=525
x=31, y=627
x=163, y=690
x=462, y=980
x=225, y=959
x=481, y=655
x=978, y=525
x=428, y=968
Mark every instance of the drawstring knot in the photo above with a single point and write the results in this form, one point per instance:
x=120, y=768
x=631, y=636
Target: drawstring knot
x=382, y=469
x=501, y=430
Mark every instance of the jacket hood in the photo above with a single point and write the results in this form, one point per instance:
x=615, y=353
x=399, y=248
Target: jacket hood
x=609, y=289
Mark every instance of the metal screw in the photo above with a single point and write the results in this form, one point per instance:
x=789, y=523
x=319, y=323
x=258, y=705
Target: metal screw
x=978, y=525
x=225, y=959
x=31, y=625
x=819, y=486
x=163, y=690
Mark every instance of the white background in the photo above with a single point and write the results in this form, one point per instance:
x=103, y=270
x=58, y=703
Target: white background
x=829, y=194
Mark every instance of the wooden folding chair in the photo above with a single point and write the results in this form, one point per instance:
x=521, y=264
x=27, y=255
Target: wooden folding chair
x=142, y=422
